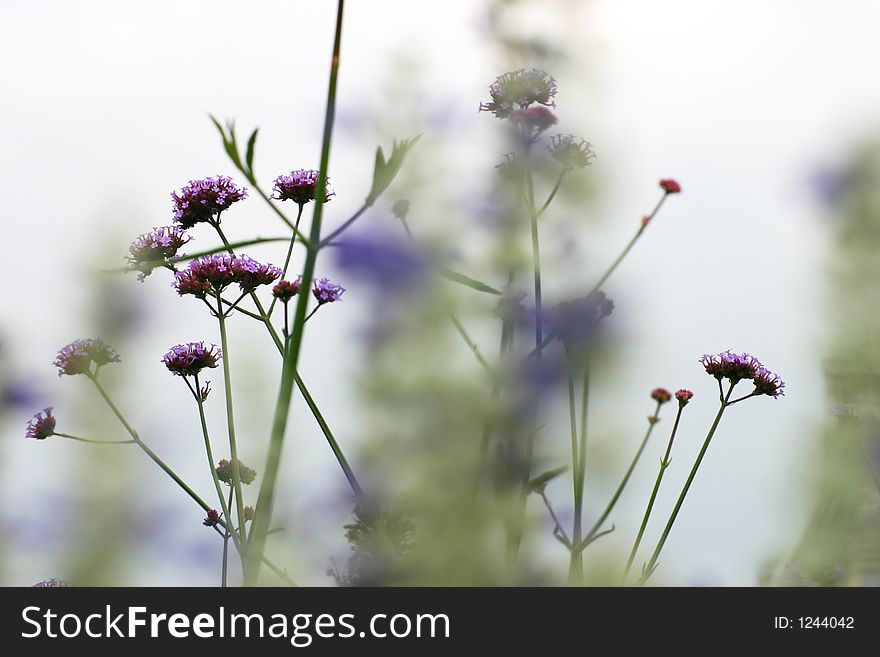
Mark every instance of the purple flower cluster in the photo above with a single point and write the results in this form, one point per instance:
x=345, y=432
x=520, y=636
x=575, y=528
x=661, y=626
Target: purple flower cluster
x=50, y=584
x=42, y=425
x=575, y=322
x=518, y=90
x=203, y=200
x=299, y=186
x=213, y=274
x=224, y=472
x=284, y=291
x=736, y=367
x=156, y=248
x=327, y=292
x=78, y=356
x=191, y=358
x=683, y=396
x=570, y=151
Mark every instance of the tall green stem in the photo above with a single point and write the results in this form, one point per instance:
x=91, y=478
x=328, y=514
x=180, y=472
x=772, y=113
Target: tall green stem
x=209, y=452
x=575, y=570
x=230, y=424
x=263, y=513
x=649, y=568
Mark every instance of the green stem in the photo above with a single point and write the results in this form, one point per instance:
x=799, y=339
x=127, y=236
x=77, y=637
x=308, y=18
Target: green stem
x=212, y=464
x=230, y=424
x=552, y=194
x=263, y=513
x=649, y=568
x=293, y=238
x=94, y=442
x=626, y=477
x=336, y=233
x=575, y=569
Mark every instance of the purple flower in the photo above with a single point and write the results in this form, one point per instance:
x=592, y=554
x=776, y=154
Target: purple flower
x=661, y=395
x=768, y=383
x=286, y=290
x=683, y=396
x=203, y=200
x=518, y=90
x=212, y=519
x=389, y=263
x=327, y=292
x=50, y=584
x=191, y=358
x=42, y=425
x=78, y=357
x=299, y=186
x=156, y=248
x=570, y=151
x=250, y=274
x=576, y=322
x=224, y=472
x=213, y=274
x=730, y=365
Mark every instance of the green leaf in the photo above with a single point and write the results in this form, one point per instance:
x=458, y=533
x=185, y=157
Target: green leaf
x=467, y=281
x=546, y=477
x=385, y=171
x=249, y=155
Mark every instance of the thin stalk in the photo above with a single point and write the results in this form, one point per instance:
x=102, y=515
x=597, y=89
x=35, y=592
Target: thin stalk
x=209, y=452
x=626, y=477
x=226, y=535
x=653, y=561
x=293, y=238
x=94, y=442
x=302, y=238
x=664, y=463
x=265, y=501
x=336, y=233
x=552, y=195
x=575, y=569
x=230, y=425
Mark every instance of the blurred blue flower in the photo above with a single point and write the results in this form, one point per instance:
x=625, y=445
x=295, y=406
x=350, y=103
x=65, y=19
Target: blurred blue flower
x=390, y=263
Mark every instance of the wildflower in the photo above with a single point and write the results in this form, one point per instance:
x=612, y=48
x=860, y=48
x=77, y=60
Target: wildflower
x=224, y=472
x=250, y=274
x=299, y=186
x=390, y=263
x=730, y=365
x=577, y=321
x=212, y=519
x=534, y=119
x=191, y=358
x=205, y=391
x=768, y=383
x=518, y=90
x=42, y=425
x=78, y=356
x=683, y=396
x=213, y=274
x=570, y=151
x=510, y=168
x=156, y=248
x=670, y=186
x=327, y=292
x=661, y=395
x=50, y=584
x=285, y=290
x=202, y=201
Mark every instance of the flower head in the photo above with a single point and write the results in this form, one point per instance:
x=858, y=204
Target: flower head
x=78, y=356
x=285, y=290
x=661, y=395
x=191, y=358
x=203, y=200
x=156, y=248
x=248, y=513
x=212, y=519
x=50, y=584
x=576, y=322
x=768, y=383
x=730, y=365
x=213, y=274
x=670, y=186
x=392, y=264
x=518, y=90
x=683, y=396
x=299, y=186
x=42, y=425
x=534, y=119
x=327, y=292
x=570, y=151
x=224, y=472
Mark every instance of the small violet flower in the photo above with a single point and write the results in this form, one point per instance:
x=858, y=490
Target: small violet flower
x=191, y=358
x=736, y=367
x=327, y=292
x=299, y=186
x=42, y=425
x=156, y=248
x=518, y=90
x=224, y=472
x=213, y=274
x=570, y=151
x=50, y=584
x=202, y=201
x=78, y=357
x=284, y=291
x=683, y=396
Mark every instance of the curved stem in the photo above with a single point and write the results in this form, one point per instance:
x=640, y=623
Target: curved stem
x=336, y=233
x=94, y=442
x=293, y=238
x=552, y=194
x=649, y=568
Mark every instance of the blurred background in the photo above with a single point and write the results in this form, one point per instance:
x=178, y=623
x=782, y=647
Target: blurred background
x=765, y=112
